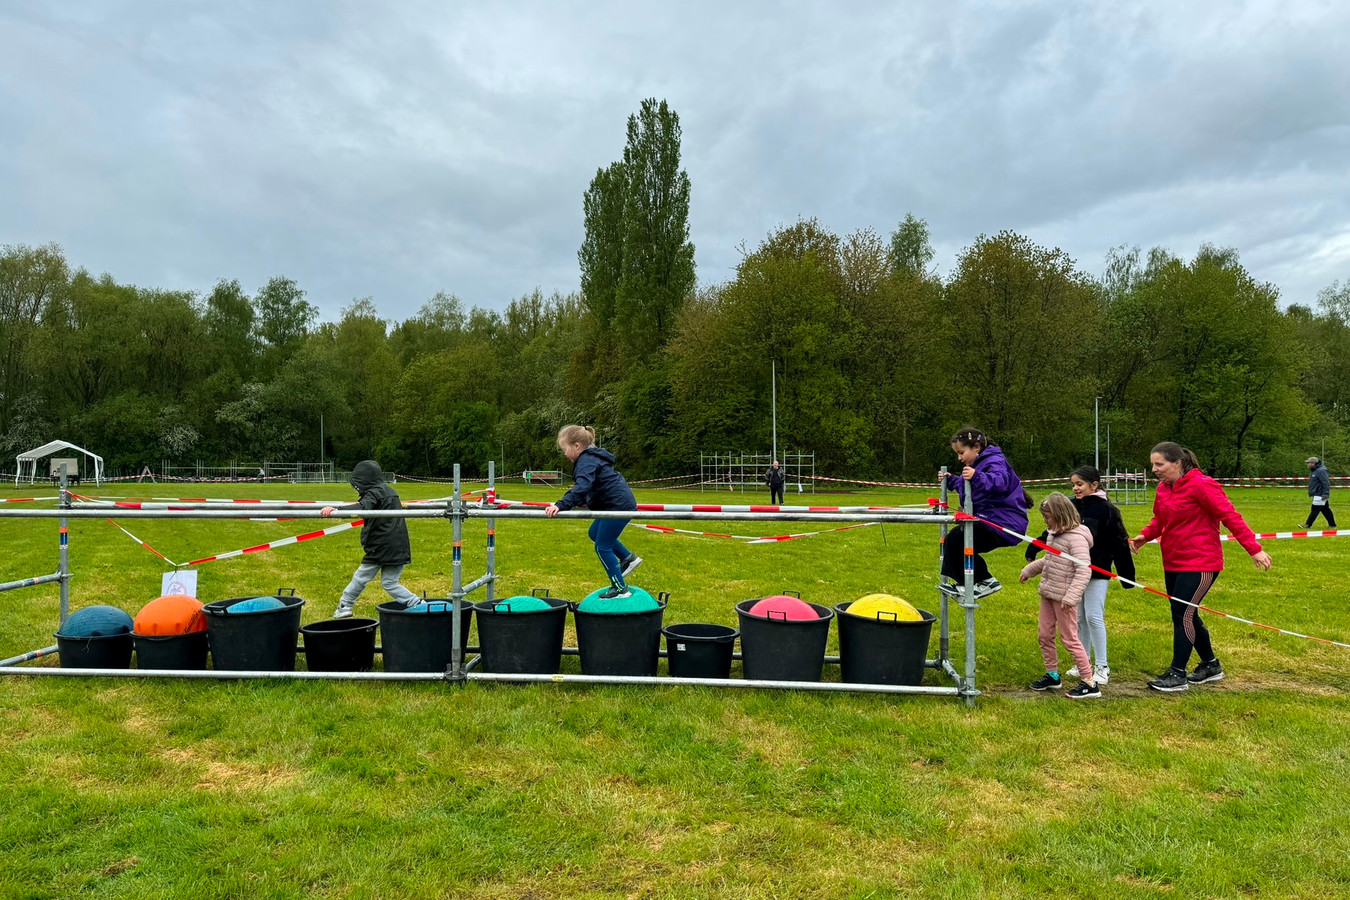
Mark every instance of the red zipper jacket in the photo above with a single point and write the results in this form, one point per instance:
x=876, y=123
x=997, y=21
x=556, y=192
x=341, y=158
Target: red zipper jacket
x=1186, y=518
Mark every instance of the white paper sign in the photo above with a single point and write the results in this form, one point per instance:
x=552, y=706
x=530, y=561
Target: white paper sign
x=181, y=582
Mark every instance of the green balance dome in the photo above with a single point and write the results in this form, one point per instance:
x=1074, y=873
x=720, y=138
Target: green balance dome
x=640, y=601
x=520, y=603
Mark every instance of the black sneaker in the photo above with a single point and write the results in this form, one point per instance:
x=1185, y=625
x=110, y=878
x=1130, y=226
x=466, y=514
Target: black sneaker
x=1084, y=691
x=615, y=593
x=1046, y=682
x=628, y=564
x=1171, y=682
x=1206, y=672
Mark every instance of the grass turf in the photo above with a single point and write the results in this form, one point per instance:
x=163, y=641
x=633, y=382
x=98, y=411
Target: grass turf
x=177, y=789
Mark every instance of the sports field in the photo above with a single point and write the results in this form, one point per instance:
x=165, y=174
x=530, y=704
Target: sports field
x=141, y=789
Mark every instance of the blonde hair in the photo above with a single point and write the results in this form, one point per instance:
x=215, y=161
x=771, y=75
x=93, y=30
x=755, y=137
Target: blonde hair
x=1060, y=513
x=576, y=434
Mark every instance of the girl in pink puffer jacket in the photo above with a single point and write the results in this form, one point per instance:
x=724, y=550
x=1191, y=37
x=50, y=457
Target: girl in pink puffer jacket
x=1061, y=591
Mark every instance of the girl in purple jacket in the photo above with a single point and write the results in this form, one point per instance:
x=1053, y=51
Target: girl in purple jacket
x=997, y=495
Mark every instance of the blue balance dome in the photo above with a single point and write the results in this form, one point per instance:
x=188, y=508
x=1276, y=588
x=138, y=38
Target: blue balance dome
x=640, y=601
x=254, y=604
x=96, y=621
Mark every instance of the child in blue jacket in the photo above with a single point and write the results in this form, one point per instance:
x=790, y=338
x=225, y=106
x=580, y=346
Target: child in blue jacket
x=599, y=486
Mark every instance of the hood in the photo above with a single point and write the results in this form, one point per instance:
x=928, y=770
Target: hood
x=600, y=452
x=366, y=474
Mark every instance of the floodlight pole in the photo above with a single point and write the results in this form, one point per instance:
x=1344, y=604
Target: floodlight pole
x=773, y=380
x=1096, y=435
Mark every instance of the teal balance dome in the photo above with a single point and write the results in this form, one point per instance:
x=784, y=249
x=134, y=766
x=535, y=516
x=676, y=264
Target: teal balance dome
x=519, y=604
x=640, y=601
x=96, y=621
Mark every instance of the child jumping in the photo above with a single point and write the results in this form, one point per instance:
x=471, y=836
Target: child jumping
x=997, y=495
x=385, y=541
x=599, y=486
x=1110, y=548
x=1061, y=592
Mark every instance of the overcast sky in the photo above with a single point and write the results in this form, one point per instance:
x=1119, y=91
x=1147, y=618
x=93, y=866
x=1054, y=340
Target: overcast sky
x=397, y=149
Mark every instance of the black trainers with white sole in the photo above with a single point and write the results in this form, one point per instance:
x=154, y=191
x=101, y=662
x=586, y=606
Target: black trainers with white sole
x=1084, y=691
x=615, y=593
x=628, y=564
x=1170, y=682
x=1206, y=672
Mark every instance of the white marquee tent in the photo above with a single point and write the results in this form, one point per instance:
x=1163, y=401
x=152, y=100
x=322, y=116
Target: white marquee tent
x=30, y=459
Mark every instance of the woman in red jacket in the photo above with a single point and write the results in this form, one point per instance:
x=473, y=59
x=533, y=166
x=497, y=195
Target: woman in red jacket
x=1187, y=511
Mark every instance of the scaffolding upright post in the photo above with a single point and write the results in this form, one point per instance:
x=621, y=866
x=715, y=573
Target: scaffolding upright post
x=63, y=562
x=968, y=599
x=944, y=635
x=488, y=589
x=456, y=513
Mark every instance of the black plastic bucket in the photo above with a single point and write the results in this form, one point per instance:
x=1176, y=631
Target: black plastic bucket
x=522, y=643
x=699, y=650
x=777, y=649
x=421, y=641
x=626, y=643
x=171, y=651
x=108, y=651
x=882, y=651
x=340, y=645
x=262, y=641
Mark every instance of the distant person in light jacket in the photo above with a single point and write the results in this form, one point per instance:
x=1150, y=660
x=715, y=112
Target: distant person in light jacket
x=1319, y=490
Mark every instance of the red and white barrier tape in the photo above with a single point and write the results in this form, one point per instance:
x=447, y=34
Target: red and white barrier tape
x=724, y=508
x=1026, y=538
x=27, y=499
x=1279, y=535
x=272, y=545
x=746, y=538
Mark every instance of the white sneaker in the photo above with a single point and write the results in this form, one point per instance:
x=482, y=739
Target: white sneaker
x=343, y=611
x=410, y=604
x=985, y=588
x=1101, y=674
x=1072, y=673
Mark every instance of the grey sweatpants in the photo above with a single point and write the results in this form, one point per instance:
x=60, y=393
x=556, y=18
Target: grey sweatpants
x=365, y=574
x=1092, y=620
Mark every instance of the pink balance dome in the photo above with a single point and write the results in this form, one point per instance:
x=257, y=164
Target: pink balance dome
x=781, y=606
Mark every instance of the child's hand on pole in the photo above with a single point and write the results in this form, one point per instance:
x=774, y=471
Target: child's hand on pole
x=551, y=510
x=968, y=473
x=327, y=511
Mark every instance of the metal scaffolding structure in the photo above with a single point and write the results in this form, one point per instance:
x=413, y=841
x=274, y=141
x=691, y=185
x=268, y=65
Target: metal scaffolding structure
x=460, y=511
x=745, y=471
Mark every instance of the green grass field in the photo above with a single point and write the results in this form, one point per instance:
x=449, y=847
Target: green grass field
x=121, y=788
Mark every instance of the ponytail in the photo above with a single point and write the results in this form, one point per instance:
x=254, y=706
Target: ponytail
x=576, y=434
x=1174, y=452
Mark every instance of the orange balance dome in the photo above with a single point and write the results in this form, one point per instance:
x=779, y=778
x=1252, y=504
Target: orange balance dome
x=170, y=614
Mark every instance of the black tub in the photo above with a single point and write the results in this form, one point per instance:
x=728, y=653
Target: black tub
x=699, y=650
x=109, y=651
x=774, y=649
x=340, y=645
x=627, y=643
x=171, y=651
x=262, y=641
x=882, y=651
x=415, y=641
x=522, y=643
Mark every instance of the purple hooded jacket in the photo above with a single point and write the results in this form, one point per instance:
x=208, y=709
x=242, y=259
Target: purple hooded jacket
x=997, y=492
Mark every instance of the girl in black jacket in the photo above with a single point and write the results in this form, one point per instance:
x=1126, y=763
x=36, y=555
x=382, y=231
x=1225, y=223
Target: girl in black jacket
x=1110, y=545
x=599, y=486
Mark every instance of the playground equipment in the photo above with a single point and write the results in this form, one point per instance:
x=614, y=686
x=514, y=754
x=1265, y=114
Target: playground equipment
x=459, y=511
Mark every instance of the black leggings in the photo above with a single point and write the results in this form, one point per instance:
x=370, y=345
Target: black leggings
x=1324, y=510
x=1188, y=632
x=986, y=539
x=775, y=495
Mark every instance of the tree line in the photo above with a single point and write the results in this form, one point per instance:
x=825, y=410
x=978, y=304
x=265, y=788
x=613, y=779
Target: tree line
x=878, y=358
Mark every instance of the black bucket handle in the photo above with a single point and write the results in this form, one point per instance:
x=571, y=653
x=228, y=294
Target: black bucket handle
x=776, y=614
x=285, y=592
x=889, y=616
x=797, y=594
x=534, y=592
x=663, y=597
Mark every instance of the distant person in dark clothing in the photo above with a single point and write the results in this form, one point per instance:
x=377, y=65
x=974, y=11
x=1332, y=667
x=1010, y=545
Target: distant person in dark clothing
x=775, y=478
x=1319, y=489
x=385, y=541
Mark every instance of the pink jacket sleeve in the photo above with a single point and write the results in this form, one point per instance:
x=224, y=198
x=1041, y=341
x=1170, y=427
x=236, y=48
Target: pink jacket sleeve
x=1080, y=548
x=1034, y=567
x=1218, y=503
